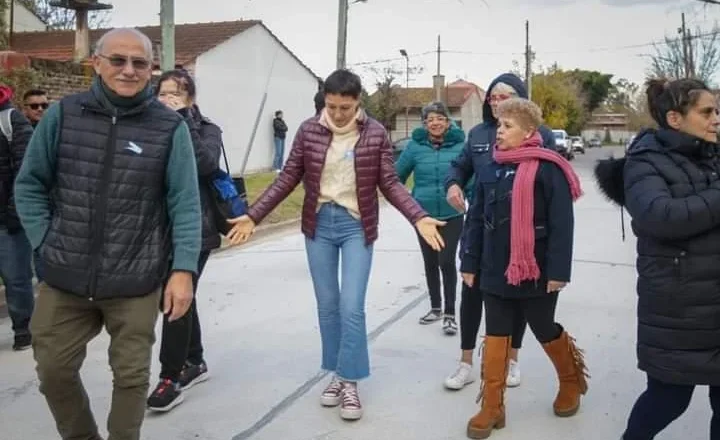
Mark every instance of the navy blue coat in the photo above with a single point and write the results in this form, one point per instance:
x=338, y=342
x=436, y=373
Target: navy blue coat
x=487, y=247
x=671, y=188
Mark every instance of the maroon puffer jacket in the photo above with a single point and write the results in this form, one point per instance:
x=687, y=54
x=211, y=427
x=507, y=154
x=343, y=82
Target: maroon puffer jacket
x=374, y=169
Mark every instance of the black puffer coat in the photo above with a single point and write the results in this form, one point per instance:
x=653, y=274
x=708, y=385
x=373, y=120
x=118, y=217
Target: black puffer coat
x=670, y=184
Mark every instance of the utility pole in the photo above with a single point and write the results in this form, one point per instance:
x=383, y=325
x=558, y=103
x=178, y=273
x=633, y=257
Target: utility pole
x=528, y=60
x=167, y=23
x=11, y=28
x=404, y=53
x=686, y=59
x=342, y=33
x=438, y=79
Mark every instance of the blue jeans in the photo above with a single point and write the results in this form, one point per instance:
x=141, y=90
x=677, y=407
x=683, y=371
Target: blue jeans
x=341, y=303
x=16, y=274
x=279, y=153
x=38, y=265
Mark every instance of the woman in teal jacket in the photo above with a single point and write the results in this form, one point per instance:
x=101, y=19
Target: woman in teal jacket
x=428, y=156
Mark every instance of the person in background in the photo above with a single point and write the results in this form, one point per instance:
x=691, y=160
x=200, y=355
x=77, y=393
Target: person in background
x=520, y=231
x=669, y=182
x=427, y=157
x=15, y=249
x=474, y=157
x=279, y=132
x=35, y=102
x=181, y=352
x=342, y=157
x=108, y=192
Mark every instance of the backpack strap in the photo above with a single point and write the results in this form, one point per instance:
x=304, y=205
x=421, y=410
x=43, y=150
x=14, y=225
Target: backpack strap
x=6, y=124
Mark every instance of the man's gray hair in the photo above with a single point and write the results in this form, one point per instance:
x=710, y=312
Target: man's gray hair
x=100, y=45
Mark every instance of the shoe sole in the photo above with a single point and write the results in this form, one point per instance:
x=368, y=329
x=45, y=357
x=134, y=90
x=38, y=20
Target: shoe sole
x=454, y=387
x=329, y=402
x=567, y=413
x=351, y=414
x=475, y=433
x=22, y=348
x=178, y=400
x=421, y=322
x=201, y=378
x=450, y=332
x=512, y=384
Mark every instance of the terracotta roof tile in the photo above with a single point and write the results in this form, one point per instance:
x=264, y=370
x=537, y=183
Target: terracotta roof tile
x=191, y=40
x=418, y=97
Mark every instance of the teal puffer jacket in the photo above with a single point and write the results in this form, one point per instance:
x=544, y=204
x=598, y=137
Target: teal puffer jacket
x=430, y=164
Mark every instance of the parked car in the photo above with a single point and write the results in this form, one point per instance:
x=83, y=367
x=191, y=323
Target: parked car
x=577, y=144
x=399, y=146
x=595, y=143
x=562, y=144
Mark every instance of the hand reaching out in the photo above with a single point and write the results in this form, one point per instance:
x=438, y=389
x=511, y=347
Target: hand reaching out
x=243, y=228
x=428, y=229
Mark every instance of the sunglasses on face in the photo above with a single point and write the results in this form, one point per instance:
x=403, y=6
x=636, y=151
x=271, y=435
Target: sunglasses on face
x=122, y=61
x=36, y=106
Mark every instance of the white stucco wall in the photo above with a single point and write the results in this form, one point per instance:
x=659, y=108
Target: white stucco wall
x=231, y=80
x=471, y=112
x=24, y=20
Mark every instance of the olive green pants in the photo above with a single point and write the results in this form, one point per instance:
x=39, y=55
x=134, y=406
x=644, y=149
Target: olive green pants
x=62, y=325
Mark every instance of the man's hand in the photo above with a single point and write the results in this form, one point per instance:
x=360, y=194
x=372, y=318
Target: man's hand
x=428, y=229
x=455, y=197
x=555, y=286
x=243, y=228
x=468, y=278
x=178, y=295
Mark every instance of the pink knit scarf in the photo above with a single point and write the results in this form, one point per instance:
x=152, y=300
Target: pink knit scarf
x=523, y=265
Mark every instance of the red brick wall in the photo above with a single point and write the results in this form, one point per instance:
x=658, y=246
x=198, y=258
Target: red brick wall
x=62, y=78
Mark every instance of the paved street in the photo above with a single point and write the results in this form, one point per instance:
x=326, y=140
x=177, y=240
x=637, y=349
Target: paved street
x=262, y=347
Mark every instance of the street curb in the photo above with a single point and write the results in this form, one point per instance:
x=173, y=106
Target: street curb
x=262, y=232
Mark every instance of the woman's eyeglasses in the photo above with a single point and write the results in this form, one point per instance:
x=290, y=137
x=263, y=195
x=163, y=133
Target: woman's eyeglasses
x=36, y=106
x=121, y=61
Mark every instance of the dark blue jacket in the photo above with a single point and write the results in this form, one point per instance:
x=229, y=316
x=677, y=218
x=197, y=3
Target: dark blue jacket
x=669, y=183
x=487, y=235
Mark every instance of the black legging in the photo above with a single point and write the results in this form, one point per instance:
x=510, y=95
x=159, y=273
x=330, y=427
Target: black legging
x=443, y=261
x=471, y=311
x=181, y=339
x=661, y=404
x=538, y=311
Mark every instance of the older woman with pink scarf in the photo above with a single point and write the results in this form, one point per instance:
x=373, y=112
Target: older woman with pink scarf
x=520, y=232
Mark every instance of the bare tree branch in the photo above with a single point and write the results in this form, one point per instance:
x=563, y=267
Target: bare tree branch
x=61, y=18
x=668, y=61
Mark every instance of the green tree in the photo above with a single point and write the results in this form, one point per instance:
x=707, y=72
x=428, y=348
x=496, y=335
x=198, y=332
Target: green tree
x=595, y=86
x=561, y=99
x=384, y=103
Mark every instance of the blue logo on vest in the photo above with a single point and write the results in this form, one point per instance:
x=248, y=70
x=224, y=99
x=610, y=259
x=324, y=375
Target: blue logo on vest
x=132, y=146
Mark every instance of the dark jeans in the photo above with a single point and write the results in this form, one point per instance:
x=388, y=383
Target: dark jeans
x=443, y=261
x=539, y=313
x=182, y=339
x=661, y=404
x=471, y=310
x=16, y=275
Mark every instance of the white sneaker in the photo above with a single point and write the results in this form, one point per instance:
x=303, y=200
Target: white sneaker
x=461, y=377
x=513, y=377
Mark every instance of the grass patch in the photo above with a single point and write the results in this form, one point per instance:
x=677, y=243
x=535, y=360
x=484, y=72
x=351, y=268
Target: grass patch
x=289, y=209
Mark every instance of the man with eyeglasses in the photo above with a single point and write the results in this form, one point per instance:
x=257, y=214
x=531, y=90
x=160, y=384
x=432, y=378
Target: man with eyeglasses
x=108, y=192
x=15, y=250
x=35, y=102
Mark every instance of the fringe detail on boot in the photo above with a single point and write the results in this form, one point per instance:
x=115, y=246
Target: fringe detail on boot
x=582, y=372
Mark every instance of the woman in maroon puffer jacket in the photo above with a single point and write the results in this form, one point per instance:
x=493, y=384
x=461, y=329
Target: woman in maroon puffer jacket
x=342, y=157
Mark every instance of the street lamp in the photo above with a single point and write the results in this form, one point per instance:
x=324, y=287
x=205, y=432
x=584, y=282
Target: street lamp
x=404, y=53
x=342, y=31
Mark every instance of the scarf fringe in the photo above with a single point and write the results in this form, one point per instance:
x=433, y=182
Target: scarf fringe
x=522, y=270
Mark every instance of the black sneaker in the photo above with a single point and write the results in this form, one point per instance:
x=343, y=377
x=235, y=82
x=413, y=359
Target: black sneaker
x=22, y=342
x=167, y=395
x=192, y=374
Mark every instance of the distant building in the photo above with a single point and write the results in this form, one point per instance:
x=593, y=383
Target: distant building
x=24, y=20
x=614, y=126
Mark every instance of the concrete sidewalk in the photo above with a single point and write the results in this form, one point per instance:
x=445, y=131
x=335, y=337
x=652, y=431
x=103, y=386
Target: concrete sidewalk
x=263, y=350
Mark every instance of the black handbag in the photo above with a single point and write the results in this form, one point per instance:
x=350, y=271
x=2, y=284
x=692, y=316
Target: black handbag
x=229, y=196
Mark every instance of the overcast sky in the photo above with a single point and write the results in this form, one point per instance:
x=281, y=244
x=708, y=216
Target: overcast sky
x=483, y=37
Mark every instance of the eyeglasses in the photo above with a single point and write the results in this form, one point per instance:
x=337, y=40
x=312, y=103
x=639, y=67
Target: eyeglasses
x=36, y=106
x=499, y=98
x=122, y=61
x=436, y=119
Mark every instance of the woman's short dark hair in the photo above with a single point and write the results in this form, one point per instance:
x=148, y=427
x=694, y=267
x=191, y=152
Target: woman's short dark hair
x=344, y=83
x=679, y=95
x=182, y=78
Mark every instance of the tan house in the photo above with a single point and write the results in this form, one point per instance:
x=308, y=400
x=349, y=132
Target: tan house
x=463, y=99
x=612, y=125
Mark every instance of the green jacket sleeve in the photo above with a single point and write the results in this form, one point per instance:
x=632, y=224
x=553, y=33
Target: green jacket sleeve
x=37, y=176
x=183, y=202
x=405, y=164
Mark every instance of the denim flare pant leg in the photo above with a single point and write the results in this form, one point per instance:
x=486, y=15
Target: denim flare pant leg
x=339, y=249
